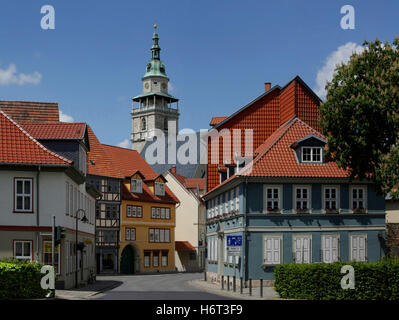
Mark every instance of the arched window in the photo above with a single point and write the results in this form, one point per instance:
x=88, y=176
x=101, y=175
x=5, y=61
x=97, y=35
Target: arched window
x=143, y=124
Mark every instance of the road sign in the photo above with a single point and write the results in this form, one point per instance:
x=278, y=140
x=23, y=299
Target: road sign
x=234, y=241
x=233, y=251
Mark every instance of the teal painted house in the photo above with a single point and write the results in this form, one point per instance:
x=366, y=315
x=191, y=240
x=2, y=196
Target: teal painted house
x=291, y=203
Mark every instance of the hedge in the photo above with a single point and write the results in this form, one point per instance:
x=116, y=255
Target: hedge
x=322, y=281
x=20, y=280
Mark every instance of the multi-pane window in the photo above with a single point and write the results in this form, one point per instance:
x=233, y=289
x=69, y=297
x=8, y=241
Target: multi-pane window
x=134, y=211
x=147, y=256
x=272, y=250
x=302, y=249
x=216, y=206
x=164, y=261
x=358, y=197
x=272, y=195
x=312, y=154
x=232, y=204
x=136, y=186
x=155, y=259
x=160, y=213
x=358, y=247
x=23, y=250
x=213, y=249
x=220, y=205
x=302, y=198
x=111, y=211
x=159, y=188
x=330, y=248
x=159, y=235
x=23, y=195
x=237, y=199
x=130, y=234
x=331, y=198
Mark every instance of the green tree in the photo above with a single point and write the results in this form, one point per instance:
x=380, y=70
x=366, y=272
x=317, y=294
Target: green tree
x=360, y=117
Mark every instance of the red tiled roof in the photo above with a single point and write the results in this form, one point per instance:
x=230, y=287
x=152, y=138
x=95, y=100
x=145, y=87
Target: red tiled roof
x=183, y=246
x=57, y=130
x=18, y=147
x=28, y=111
x=99, y=162
x=129, y=161
x=189, y=183
x=276, y=158
x=216, y=120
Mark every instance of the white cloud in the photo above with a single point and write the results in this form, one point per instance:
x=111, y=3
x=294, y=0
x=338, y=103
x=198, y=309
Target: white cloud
x=124, y=144
x=341, y=55
x=65, y=118
x=10, y=76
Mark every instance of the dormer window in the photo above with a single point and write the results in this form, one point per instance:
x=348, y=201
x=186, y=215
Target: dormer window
x=312, y=154
x=136, y=186
x=159, y=188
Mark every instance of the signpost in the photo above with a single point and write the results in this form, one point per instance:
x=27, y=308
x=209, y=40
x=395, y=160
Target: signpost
x=233, y=247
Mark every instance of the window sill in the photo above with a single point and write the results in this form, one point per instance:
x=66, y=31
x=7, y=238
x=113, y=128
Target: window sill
x=264, y=266
x=29, y=212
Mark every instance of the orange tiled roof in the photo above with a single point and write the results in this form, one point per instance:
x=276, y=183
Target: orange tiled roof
x=56, y=130
x=216, y=120
x=183, y=246
x=276, y=158
x=28, y=111
x=130, y=161
x=99, y=162
x=189, y=183
x=18, y=147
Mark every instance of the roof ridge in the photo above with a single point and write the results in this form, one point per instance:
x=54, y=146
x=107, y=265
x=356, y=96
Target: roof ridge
x=34, y=140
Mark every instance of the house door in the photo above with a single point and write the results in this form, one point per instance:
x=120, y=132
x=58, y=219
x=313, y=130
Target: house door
x=220, y=254
x=127, y=260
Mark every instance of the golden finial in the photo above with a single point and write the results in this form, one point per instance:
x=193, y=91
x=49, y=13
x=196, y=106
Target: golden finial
x=155, y=26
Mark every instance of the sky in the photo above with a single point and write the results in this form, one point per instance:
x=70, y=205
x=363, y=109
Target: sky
x=218, y=54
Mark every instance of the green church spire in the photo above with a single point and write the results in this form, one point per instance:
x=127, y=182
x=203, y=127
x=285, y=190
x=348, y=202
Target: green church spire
x=155, y=67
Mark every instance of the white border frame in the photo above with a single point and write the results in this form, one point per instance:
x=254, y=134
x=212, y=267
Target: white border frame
x=311, y=154
x=365, y=201
x=350, y=246
x=294, y=187
x=323, y=205
x=281, y=200
x=338, y=236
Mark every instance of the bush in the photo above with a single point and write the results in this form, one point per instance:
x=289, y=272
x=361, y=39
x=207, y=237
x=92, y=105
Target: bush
x=20, y=280
x=373, y=281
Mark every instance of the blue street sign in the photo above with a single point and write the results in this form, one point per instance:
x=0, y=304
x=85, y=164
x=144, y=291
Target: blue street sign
x=234, y=241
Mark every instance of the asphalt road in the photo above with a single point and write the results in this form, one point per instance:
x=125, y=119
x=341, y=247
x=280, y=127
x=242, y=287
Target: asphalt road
x=156, y=287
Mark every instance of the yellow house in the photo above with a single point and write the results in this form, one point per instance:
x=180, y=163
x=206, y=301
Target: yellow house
x=148, y=220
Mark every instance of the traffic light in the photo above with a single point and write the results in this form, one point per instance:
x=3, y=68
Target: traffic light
x=59, y=233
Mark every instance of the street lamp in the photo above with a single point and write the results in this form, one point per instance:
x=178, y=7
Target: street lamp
x=84, y=219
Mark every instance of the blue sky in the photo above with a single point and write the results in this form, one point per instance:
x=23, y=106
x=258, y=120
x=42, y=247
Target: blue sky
x=218, y=54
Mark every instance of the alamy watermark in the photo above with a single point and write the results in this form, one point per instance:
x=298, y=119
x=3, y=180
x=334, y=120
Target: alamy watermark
x=348, y=280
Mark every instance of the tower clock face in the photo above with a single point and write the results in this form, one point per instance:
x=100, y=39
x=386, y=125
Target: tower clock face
x=164, y=86
x=146, y=85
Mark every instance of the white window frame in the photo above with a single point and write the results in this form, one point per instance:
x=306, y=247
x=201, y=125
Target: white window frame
x=127, y=234
x=323, y=248
x=157, y=260
x=365, y=247
x=132, y=234
x=294, y=237
x=232, y=204
x=278, y=237
x=351, y=199
x=137, y=187
x=23, y=195
x=308, y=199
x=237, y=198
x=164, y=263
x=279, y=199
x=147, y=262
x=311, y=154
x=159, y=189
x=167, y=213
x=23, y=257
x=323, y=196
x=220, y=205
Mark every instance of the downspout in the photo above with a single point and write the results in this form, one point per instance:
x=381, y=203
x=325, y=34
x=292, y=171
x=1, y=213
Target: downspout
x=245, y=269
x=37, y=212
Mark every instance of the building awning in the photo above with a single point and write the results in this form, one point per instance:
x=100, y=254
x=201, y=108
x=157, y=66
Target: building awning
x=183, y=246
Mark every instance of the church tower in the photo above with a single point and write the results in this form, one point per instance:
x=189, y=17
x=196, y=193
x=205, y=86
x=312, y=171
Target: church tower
x=155, y=107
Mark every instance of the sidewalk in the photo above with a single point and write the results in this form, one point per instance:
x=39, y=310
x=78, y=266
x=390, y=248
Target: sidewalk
x=268, y=292
x=88, y=291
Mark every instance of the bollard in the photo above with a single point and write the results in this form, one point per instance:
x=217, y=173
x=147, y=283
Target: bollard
x=261, y=287
x=234, y=284
x=250, y=286
x=228, y=283
x=205, y=276
x=222, y=282
x=241, y=285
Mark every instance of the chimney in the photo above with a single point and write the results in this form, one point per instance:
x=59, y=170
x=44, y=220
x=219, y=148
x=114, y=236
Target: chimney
x=268, y=86
x=173, y=169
